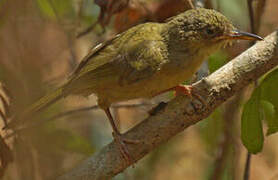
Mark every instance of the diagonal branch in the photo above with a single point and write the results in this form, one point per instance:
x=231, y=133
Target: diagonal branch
x=174, y=117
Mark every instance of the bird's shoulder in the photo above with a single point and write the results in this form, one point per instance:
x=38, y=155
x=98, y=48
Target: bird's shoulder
x=146, y=47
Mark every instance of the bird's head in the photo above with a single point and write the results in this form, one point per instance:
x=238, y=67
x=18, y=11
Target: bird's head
x=205, y=28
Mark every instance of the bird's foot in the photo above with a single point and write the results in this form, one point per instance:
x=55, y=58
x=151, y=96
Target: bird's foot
x=183, y=90
x=190, y=91
x=121, y=142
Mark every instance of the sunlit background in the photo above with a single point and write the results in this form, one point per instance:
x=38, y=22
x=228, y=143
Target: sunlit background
x=42, y=42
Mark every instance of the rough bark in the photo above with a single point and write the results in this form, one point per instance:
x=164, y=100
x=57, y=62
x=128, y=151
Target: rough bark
x=180, y=113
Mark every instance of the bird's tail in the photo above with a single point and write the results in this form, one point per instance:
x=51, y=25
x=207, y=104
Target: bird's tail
x=36, y=107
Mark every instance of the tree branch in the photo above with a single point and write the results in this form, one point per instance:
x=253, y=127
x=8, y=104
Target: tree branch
x=179, y=113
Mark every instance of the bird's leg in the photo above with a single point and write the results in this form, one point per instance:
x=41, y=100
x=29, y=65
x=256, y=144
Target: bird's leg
x=120, y=141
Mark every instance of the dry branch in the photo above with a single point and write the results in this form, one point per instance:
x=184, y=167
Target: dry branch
x=173, y=117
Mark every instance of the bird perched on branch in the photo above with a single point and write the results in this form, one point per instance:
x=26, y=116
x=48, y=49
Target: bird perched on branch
x=143, y=62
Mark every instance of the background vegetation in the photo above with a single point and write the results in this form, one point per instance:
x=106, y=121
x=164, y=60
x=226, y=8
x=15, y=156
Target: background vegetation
x=42, y=41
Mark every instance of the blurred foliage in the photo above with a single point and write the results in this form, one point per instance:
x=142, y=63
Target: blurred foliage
x=211, y=130
x=89, y=12
x=59, y=139
x=236, y=11
x=217, y=60
x=50, y=7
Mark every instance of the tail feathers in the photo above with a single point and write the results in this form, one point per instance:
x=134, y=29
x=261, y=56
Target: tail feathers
x=39, y=105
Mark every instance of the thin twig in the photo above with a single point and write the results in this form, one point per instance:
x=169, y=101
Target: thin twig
x=191, y=4
x=107, y=9
x=208, y=4
x=221, y=161
x=79, y=12
x=67, y=113
x=87, y=30
x=259, y=12
x=204, y=69
x=218, y=5
x=247, y=167
x=94, y=107
x=5, y=90
x=5, y=105
x=255, y=17
x=3, y=116
x=251, y=16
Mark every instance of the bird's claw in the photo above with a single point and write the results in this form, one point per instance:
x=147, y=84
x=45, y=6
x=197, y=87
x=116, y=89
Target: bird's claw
x=121, y=142
x=191, y=92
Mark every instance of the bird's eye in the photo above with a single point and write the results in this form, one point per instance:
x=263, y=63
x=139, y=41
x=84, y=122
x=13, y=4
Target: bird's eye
x=209, y=31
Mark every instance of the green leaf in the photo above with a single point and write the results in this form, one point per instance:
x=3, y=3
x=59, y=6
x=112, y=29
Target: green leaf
x=269, y=88
x=270, y=115
x=251, y=124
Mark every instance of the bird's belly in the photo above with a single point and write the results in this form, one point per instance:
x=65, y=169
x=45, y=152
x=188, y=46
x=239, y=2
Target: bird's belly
x=168, y=77
x=148, y=88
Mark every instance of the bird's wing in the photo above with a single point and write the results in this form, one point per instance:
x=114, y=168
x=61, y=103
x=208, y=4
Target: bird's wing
x=143, y=60
x=93, y=52
x=138, y=61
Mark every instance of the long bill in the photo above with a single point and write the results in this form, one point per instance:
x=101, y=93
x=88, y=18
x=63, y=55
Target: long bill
x=237, y=34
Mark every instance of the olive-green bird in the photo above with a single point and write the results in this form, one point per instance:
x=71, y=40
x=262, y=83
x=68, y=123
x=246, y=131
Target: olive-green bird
x=145, y=61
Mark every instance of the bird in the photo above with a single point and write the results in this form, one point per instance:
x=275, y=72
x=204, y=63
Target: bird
x=144, y=61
